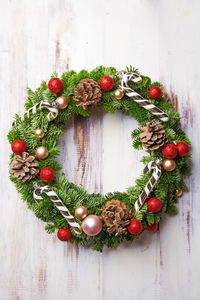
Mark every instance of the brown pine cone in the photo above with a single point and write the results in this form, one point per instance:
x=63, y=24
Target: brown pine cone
x=154, y=136
x=116, y=216
x=24, y=167
x=87, y=92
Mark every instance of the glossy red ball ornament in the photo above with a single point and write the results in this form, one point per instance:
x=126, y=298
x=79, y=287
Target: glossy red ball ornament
x=47, y=174
x=155, y=92
x=135, y=227
x=106, y=83
x=18, y=146
x=182, y=148
x=152, y=227
x=55, y=85
x=154, y=204
x=169, y=151
x=64, y=234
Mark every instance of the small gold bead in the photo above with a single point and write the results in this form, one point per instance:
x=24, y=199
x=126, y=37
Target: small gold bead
x=39, y=133
x=62, y=102
x=81, y=212
x=118, y=94
x=121, y=71
x=169, y=165
x=41, y=152
x=179, y=193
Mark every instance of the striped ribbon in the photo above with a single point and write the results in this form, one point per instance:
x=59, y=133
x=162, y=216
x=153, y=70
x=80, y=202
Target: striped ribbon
x=58, y=203
x=155, y=166
x=125, y=78
x=51, y=106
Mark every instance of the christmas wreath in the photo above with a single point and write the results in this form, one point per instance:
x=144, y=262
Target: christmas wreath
x=93, y=219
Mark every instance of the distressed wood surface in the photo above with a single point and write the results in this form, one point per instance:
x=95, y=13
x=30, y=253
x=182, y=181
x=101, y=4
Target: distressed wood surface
x=161, y=38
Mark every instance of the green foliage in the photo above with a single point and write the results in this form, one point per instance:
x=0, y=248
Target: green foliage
x=73, y=195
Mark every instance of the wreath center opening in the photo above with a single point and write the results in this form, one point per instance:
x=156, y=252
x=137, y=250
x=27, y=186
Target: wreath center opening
x=97, y=151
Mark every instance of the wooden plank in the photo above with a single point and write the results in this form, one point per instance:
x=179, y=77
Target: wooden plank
x=179, y=46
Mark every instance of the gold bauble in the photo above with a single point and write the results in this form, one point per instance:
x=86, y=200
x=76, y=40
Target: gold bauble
x=169, y=165
x=39, y=133
x=179, y=193
x=118, y=94
x=121, y=71
x=62, y=102
x=81, y=212
x=41, y=152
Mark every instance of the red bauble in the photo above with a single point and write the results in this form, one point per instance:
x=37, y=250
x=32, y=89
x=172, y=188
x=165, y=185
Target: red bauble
x=18, y=146
x=182, y=148
x=106, y=83
x=154, y=204
x=64, y=234
x=155, y=92
x=55, y=85
x=169, y=151
x=47, y=174
x=152, y=227
x=135, y=227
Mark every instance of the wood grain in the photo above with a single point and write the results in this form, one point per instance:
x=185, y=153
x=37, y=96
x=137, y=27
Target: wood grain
x=161, y=39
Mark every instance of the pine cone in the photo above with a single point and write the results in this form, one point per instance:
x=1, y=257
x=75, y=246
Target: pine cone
x=24, y=167
x=87, y=92
x=154, y=136
x=116, y=216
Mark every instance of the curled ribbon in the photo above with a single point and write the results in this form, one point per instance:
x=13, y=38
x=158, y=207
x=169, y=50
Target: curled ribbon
x=155, y=166
x=58, y=203
x=125, y=78
x=51, y=106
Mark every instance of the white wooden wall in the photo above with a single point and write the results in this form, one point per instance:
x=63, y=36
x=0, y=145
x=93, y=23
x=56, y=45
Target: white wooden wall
x=161, y=38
